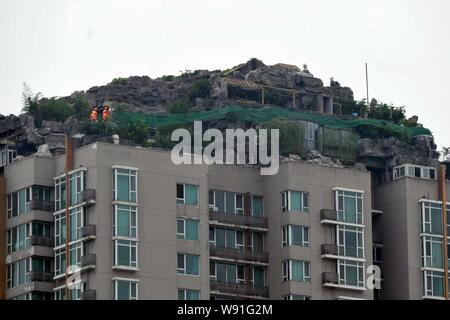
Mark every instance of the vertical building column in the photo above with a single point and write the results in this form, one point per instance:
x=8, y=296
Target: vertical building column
x=2, y=238
x=68, y=167
x=442, y=189
x=319, y=104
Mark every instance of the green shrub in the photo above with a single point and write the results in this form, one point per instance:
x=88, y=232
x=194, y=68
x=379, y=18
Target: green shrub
x=118, y=81
x=81, y=107
x=178, y=107
x=168, y=78
x=292, y=136
x=54, y=109
x=200, y=89
x=232, y=117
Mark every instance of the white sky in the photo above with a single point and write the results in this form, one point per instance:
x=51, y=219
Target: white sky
x=59, y=46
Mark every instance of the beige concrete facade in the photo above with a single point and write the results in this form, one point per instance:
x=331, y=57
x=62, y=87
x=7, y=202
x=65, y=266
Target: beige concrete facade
x=158, y=246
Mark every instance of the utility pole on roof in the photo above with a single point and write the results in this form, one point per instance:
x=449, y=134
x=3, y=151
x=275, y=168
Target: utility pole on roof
x=367, y=86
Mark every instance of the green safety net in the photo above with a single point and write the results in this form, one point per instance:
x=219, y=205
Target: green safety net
x=265, y=114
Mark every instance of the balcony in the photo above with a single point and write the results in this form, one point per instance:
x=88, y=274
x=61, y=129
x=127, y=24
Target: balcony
x=39, y=276
x=329, y=250
x=41, y=241
x=88, y=261
x=88, y=231
x=89, y=295
x=239, y=254
x=239, y=219
x=88, y=196
x=328, y=216
x=330, y=278
x=239, y=289
x=41, y=205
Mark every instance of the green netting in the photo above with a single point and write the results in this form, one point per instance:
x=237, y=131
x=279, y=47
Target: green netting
x=264, y=114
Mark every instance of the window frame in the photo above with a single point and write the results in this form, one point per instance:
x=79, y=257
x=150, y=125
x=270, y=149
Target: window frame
x=131, y=244
x=342, y=277
x=132, y=172
x=183, y=235
x=130, y=282
x=131, y=209
x=183, y=270
x=286, y=201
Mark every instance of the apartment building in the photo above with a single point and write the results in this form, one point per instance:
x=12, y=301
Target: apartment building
x=410, y=232
x=136, y=226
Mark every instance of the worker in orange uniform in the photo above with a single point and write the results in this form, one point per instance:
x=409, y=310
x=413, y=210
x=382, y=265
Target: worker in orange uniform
x=105, y=113
x=94, y=116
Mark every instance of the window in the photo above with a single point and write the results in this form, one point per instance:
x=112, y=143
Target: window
x=296, y=297
x=187, y=194
x=257, y=206
x=225, y=238
x=125, y=290
x=434, y=283
x=349, y=206
x=415, y=171
x=125, y=185
x=296, y=270
x=19, y=238
x=125, y=253
x=18, y=273
x=19, y=202
x=187, y=229
x=231, y=202
x=76, y=252
x=226, y=273
x=60, y=194
x=350, y=241
x=188, y=264
x=60, y=262
x=295, y=236
x=239, y=203
x=432, y=252
x=77, y=186
x=41, y=229
x=125, y=221
x=432, y=218
x=187, y=294
x=351, y=273
x=42, y=265
x=258, y=277
x=294, y=201
x=77, y=222
x=60, y=229
x=75, y=291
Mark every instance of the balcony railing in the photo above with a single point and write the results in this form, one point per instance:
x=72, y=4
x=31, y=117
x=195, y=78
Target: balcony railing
x=238, y=219
x=41, y=241
x=326, y=214
x=88, y=231
x=239, y=254
x=330, y=249
x=89, y=295
x=330, y=278
x=88, y=196
x=41, y=205
x=88, y=260
x=239, y=289
x=40, y=276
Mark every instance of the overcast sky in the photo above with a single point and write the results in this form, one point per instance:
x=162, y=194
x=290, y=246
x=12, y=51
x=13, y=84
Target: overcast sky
x=59, y=46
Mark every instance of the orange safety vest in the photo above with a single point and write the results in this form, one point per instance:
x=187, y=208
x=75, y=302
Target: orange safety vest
x=105, y=114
